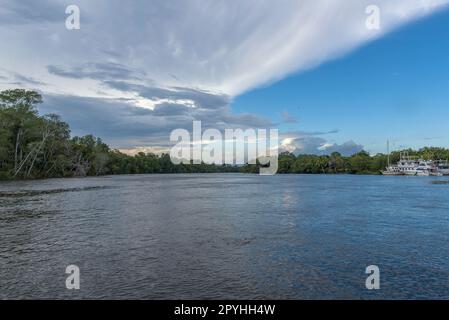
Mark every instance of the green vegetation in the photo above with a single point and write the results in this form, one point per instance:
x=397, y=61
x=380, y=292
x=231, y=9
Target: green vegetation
x=34, y=146
x=359, y=163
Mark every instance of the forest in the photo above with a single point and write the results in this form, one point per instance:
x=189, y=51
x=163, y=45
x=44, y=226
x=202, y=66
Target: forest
x=359, y=163
x=34, y=146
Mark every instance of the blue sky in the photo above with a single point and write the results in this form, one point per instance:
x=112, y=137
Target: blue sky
x=395, y=88
x=131, y=75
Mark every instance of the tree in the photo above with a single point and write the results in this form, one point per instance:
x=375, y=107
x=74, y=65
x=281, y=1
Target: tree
x=359, y=162
x=285, y=162
x=19, y=127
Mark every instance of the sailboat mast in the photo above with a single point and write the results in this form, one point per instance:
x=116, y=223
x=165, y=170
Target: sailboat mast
x=388, y=152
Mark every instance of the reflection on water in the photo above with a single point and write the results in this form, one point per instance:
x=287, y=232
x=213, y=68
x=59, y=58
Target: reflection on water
x=225, y=236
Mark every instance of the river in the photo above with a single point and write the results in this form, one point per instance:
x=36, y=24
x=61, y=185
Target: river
x=225, y=236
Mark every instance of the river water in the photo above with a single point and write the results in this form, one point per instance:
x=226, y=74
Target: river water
x=225, y=236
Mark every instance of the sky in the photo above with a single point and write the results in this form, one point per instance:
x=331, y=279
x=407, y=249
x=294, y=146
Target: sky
x=134, y=72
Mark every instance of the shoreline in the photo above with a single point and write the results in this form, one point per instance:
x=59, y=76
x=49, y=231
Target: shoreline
x=211, y=173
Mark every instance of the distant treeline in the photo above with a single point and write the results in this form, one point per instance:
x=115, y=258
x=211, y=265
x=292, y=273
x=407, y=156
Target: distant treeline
x=34, y=146
x=359, y=163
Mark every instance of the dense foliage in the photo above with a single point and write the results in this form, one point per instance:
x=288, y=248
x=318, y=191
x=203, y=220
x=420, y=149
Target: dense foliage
x=34, y=146
x=359, y=163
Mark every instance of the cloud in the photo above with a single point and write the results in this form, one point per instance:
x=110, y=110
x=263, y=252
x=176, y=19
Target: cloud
x=24, y=80
x=145, y=67
x=126, y=126
x=96, y=71
x=195, y=97
x=299, y=142
x=288, y=118
x=19, y=79
x=320, y=146
x=170, y=110
x=220, y=46
x=30, y=11
x=348, y=148
x=154, y=150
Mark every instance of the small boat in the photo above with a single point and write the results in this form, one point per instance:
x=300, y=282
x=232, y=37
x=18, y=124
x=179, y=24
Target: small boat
x=392, y=171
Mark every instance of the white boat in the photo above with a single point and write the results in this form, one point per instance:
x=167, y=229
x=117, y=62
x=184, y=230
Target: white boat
x=413, y=166
x=392, y=171
x=408, y=165
x=424, y=168
x=443, y=167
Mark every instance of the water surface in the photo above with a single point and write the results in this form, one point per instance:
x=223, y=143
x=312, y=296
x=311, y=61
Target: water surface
x=225, y=236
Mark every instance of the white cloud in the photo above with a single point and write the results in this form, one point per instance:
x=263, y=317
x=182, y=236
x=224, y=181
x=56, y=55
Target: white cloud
x=223, y=46
x=299, y=142
x=196, y=49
